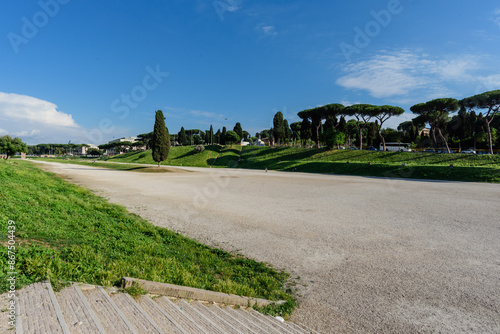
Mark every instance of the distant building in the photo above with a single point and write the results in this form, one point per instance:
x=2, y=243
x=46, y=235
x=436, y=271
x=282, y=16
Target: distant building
x=119, y=140
x=425, y=132
x=124, y=149
x=259, y=142
x=83, y=150
x=268, y=142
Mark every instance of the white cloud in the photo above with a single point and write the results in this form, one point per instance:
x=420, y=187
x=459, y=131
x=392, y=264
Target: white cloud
x=33, y=111
x=347, y=103
x=179, y=112
x=206, y=114
x=458, y=68
x=496, y=17
x=233, y=5
x=489, y=82
x=394, y=122
x=384, y=75
x=25, y=133
x=36, y=120
x=198, y=117
x=268, y=30
x=406, y=76
x=487, y=35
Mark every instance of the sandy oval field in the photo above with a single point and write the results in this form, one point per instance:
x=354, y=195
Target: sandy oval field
x=373, y=255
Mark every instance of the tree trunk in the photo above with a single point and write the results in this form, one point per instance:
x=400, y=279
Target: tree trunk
x=383, y=141
x=433, y=136
x=360, y=139
x=317, y=135
x=490, y=139
x=444, y=140
x=159, y=162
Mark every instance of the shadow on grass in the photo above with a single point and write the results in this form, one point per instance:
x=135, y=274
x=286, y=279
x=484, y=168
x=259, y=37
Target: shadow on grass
x=235, y=150
x=254, y=157
x=185, y=155
x=259, y=151
x=469, y=174
x=230, y=161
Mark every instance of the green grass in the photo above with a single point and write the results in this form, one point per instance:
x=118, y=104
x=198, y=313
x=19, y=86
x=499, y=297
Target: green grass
x=185, y=156
x=66, y=233
x=272, y=155
x=466, y=167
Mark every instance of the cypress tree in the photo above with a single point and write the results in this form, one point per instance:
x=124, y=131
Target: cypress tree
x=343, y=125
x=160, y=142
x=182, y=136
x=305, y=130
x=218, y=136
x=287, y=131
x=278, y=127
x=223, y=136
x=211, y=135
x=238, y=129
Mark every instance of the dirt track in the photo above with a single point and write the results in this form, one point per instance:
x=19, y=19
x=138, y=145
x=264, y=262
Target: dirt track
x=373, y=255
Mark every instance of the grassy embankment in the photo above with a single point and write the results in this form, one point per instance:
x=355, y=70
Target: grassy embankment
x=178, y=156
x=466, y=167
x=66, y=233
x=213, y=155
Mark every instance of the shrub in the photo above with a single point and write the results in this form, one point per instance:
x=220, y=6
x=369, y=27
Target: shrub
x=199, y=149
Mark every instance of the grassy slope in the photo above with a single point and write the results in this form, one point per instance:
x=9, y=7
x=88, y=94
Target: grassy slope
x=184, y=156
x=481, y=168
x=65, y=233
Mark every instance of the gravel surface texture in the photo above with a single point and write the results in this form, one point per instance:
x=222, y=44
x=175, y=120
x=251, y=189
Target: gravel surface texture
x=373, y=255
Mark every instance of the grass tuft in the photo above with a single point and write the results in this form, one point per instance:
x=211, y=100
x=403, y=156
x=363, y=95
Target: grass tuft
x=135, y=290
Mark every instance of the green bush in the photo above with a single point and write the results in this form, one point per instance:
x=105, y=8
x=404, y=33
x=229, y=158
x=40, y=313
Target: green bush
x=199, y=149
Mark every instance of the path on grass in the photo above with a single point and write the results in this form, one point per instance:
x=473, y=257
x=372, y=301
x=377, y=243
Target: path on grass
x=373, y=255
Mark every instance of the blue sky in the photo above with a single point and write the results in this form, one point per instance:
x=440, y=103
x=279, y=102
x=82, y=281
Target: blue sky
x=89, y=71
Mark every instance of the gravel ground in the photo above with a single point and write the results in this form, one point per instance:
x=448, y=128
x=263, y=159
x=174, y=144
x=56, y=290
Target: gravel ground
x=373, y=255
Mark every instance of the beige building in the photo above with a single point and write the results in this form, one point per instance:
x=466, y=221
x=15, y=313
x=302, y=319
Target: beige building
x=425, y=132
x=84, y=149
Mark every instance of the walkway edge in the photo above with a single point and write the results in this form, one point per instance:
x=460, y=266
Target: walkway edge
x=171, y=290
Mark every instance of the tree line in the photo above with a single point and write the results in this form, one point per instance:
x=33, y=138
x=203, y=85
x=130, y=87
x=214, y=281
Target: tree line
x=54, y=149
x=197, y=137
x=361, y=125
x=474, y=125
